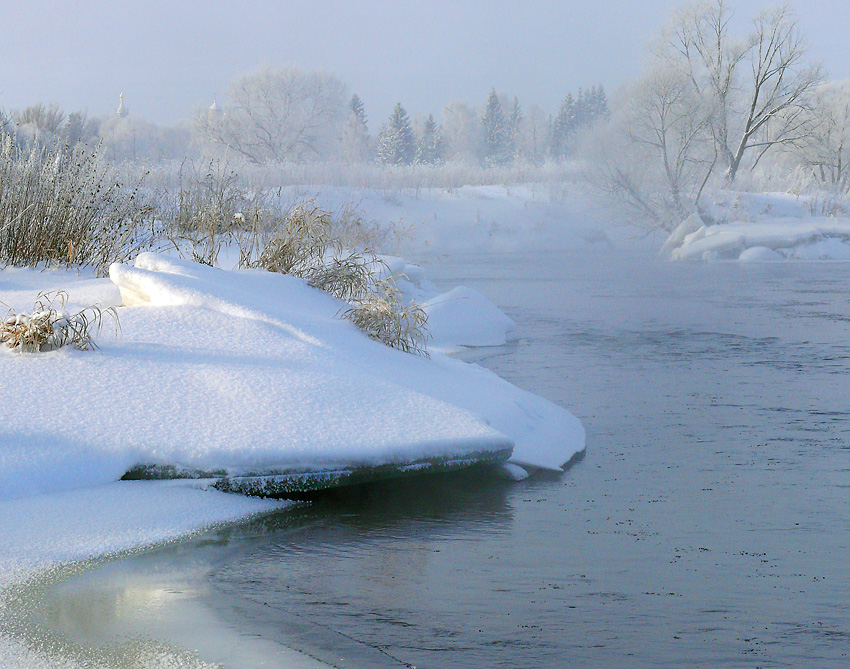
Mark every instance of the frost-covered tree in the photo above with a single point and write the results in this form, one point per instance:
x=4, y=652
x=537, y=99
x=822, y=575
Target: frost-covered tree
x=39, y=123
x=759, y=87
x=78, y=127
x=532, y=143
x=825, y=151
x=656, y=153
x=396, y=142
x=429, y=148
x=514, y=128
x=281, y=114
x=461, y=131
x=354, y=139
x=130, y=138
x=599, y=108
x=563, y=128
x=494, y=138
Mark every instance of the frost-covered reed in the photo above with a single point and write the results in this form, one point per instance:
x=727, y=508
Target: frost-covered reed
x=63, y=206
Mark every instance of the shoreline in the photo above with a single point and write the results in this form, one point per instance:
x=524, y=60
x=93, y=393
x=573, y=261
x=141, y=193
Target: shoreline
x=62, y=535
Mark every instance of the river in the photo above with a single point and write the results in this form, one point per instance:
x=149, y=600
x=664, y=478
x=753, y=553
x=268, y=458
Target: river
x=708, y=522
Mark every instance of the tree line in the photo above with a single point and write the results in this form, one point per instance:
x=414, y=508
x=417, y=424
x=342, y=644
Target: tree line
x=294, y=116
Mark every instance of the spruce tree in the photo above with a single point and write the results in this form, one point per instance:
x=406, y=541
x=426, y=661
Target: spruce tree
x=430, y=148
x=494, y=141
x=396, y=144
x=563, y=127
x=358, y=110
x=354, y=139
x=600, y=103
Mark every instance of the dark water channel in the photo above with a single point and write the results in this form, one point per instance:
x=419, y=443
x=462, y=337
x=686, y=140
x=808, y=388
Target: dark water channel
x=708, y=523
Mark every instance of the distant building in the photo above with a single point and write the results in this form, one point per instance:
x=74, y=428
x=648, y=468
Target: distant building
x=122, y=111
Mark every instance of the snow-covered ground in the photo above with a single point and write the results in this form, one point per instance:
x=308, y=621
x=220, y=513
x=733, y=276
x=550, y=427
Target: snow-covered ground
x=230, y=371
x=763, y=228
x=474, y=218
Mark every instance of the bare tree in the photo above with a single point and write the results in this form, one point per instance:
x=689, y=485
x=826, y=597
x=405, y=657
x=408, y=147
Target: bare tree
x=278, y=114
x=657, y=152
x=756, y=108
x=825, y=151
x=461, y=130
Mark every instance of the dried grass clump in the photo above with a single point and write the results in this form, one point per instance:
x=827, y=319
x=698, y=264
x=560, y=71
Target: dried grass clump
x=62, y=206
x=49, y=326
x=306, y=246
x=383, y=317
x=298, y=246
x=207, y=211
x=348, y=278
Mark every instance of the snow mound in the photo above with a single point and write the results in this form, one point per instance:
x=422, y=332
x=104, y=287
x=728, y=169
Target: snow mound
x=247, y=371
x=461, y=317
x=464, y=317
x=765, y=239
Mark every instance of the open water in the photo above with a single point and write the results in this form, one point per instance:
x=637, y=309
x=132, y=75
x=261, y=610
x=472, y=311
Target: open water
x=707, y=524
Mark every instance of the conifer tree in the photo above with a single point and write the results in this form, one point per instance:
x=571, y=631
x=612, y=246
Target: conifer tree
x=430, y=147
x=357, y=109
x=354, y=139
x=396, y=144
x=563, y=127
x=600, y=103
x=494, y=150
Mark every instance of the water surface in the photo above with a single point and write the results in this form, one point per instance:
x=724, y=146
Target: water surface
x=709, y=521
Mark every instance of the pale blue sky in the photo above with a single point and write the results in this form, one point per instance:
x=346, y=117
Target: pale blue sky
x=171, y=57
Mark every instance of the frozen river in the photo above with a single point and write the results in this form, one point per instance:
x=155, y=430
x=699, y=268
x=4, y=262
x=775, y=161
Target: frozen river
x=709, y=521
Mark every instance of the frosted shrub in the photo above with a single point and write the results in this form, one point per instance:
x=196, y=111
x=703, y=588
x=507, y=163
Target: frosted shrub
x=306, y=246
x=62, y=206
x=382, y=316
x=49, y=326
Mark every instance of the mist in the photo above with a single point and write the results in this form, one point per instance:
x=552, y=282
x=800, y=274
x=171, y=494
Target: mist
x=483, y=333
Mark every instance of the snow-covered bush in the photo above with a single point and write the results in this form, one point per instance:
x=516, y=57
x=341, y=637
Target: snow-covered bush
x=49, y=326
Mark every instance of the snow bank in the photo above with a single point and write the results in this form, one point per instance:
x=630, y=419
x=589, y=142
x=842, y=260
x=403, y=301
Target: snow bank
x=236, y=371
x=246, y=372
x=761, y=228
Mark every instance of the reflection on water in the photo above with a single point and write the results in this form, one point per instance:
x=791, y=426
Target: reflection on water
x=709, y=522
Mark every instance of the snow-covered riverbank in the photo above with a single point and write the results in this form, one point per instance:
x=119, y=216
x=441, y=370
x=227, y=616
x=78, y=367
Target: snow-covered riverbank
x=763, y=227
x=234, y=372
